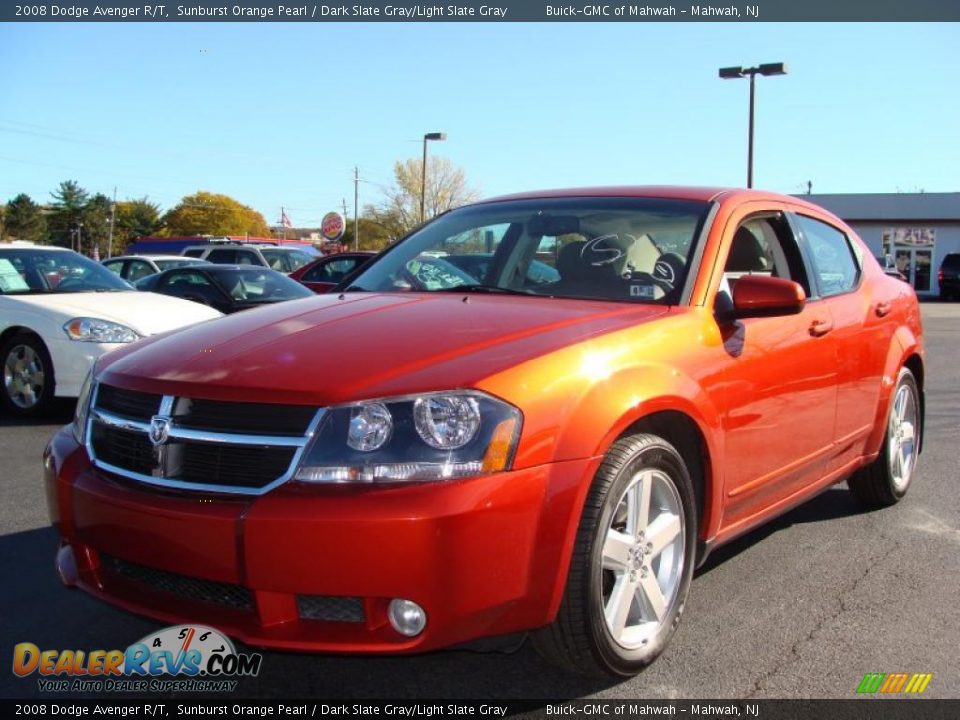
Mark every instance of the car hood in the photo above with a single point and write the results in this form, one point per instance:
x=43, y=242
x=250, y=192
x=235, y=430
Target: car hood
x=147, y=313
x=331, y=349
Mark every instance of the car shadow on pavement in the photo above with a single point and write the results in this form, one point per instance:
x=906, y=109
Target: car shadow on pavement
x=61, y=411
x=833, y=504
x=36, y=608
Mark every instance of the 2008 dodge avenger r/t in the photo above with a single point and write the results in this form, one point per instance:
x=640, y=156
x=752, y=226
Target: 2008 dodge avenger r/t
x=426, y=457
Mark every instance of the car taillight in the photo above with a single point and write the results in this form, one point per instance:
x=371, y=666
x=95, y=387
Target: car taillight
x=939, y=275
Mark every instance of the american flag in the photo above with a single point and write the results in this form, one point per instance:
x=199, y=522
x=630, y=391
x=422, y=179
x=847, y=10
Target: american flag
x=285, y=219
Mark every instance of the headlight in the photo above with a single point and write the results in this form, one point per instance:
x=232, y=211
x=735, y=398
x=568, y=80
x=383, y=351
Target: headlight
x=101, y=331
x=80, y=415
x=435, y=436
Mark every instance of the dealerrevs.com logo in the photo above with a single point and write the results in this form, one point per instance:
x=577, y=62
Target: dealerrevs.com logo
x=183, y=658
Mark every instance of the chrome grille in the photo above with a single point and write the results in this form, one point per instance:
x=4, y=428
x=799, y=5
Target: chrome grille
x=206, y=445
x=258, y=418
x=128, y=403
x=185, y=586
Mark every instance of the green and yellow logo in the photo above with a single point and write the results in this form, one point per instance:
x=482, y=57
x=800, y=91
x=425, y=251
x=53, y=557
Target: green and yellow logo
x=892, y=683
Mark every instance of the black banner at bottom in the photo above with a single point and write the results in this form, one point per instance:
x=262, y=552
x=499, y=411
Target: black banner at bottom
x=872, y=708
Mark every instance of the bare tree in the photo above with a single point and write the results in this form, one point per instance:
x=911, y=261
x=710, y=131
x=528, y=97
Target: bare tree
x=446, y=188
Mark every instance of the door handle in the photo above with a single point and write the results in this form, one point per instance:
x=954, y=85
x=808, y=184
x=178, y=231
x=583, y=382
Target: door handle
x=820, y=327
x=883, y=308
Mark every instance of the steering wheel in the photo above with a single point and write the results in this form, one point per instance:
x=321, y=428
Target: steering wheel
x=415, y=282
x=67, y=282
x=197, y=299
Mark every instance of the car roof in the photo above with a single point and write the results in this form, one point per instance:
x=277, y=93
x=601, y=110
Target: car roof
x=218, y=268
x=670, y=192
x=150, y=257
x=21, y=245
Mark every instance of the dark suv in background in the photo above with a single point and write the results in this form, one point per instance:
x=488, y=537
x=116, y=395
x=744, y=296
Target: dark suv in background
x=949, y=276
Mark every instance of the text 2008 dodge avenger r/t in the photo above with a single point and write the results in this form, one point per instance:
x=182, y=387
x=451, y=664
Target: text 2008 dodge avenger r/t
x=424, y=457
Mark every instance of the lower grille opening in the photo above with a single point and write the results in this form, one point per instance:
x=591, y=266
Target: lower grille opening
x=330, y=608
x=190, y=588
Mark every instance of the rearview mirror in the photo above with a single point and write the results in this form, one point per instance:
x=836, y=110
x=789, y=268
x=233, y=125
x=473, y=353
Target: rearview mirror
x=552, y=225
x=764, y=296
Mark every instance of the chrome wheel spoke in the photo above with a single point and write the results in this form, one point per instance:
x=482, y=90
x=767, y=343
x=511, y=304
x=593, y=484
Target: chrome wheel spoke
x=901, y=407
x=638, y=506
x=617, y=609
x=662, y=532
x=653, y=597
x=906, y=433
x=616, y=550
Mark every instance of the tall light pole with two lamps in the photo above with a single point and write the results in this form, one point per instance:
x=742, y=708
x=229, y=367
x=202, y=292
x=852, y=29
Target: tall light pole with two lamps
x=731, y=73
x=423, y=180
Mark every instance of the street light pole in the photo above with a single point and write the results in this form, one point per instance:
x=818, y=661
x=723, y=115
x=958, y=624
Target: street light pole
x=113, y=219
x=423, y=176
x=731, y=73
x=356, y=208
x=753, y=82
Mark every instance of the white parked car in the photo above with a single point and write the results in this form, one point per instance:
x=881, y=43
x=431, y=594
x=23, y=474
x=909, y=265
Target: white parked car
x=59, y=312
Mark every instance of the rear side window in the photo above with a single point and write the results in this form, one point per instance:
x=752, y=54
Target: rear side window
x=835, y=267
x=193, y=252
x=222, y=257
x=116, y=266
x=333, y=271
x=247, y=257
x=138, y=269
x=951, y=261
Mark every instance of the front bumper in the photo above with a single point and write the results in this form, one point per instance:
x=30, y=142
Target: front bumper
x=483, y=557
x=72, y=361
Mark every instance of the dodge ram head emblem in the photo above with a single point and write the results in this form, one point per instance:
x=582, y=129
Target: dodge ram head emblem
x=159, y=429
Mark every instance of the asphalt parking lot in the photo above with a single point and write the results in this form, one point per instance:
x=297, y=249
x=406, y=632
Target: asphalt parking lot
x=800, y=608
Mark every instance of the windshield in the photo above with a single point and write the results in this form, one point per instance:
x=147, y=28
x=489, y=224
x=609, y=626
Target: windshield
x=175, y=262
x=253, y=285
x=37, y=271
x=286, y=261
x=624, y=249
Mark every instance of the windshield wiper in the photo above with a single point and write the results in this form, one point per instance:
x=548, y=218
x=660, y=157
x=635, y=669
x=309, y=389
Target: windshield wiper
x=481, y=288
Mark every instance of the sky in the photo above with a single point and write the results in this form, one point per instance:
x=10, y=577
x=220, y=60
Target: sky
x=278, y=115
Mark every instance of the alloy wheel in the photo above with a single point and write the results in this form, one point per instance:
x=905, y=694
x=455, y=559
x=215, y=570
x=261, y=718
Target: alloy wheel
x=902, y=429
x=642, y=559
x=23, y=376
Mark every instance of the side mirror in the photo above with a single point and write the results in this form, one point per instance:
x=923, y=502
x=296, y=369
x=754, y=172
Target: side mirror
x=764, y=296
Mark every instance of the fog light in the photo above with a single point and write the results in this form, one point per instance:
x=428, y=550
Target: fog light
x=406, y=617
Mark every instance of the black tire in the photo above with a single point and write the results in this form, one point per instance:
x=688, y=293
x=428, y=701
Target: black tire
x=878, y=484
x=14, y=347
x=580, y=638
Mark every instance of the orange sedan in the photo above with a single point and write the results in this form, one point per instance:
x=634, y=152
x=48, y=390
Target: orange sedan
x=424, y=458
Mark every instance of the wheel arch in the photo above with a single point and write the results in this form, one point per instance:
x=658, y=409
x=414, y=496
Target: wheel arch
x=686, y=435
x=683, y=414
x=906, y=350
x=9, y=332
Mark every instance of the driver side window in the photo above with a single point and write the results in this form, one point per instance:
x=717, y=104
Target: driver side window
x=762, y=245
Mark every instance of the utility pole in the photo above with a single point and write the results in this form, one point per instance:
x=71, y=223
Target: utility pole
x=356, y=208
x=113, y=219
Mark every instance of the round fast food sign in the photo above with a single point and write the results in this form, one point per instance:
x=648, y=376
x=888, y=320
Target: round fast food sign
x=332, y=226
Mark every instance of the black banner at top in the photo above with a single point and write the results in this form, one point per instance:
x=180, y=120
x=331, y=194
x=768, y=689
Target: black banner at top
x=483, y=11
